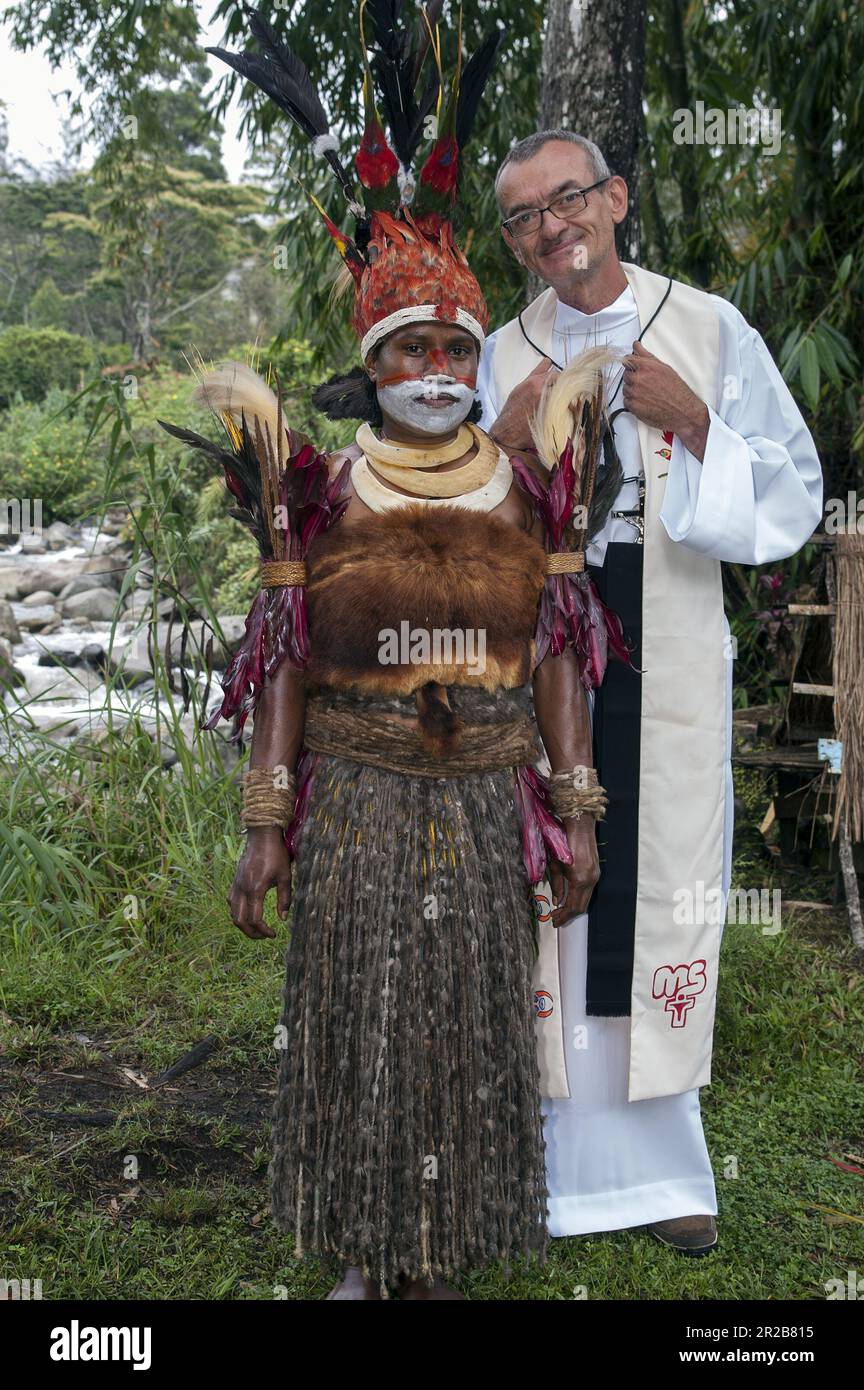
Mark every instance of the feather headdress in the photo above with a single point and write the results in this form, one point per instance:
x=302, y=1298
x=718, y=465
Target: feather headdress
x=402, y=256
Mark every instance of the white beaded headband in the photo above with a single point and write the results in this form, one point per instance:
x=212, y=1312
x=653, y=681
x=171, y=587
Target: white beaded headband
x=414, y=313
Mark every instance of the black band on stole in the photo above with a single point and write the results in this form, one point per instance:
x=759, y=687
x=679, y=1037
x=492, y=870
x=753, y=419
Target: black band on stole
x=616, y=739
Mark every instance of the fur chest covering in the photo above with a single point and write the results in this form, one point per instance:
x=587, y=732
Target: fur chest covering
x=423, y=594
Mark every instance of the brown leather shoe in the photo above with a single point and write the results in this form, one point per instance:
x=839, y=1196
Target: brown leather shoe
x=691, y=1235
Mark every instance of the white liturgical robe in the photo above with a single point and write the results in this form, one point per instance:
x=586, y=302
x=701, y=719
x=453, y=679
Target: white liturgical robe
x=614, y=1162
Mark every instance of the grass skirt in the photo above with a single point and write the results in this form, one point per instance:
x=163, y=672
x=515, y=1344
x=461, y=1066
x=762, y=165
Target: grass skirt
x=407, y=1127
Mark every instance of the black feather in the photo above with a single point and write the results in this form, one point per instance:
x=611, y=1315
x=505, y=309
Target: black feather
x=241, y=468
x=285, y=79
x=607, y=484
x=397, y=57
x=475, y=75
x=300, y=104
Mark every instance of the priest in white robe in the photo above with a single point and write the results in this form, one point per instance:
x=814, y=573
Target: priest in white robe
x=719, y=466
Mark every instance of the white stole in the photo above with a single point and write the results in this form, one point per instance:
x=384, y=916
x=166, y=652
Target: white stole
x=679, y=904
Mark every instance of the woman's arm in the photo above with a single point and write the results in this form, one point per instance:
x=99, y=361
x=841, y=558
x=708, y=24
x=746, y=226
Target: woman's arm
x=563, y=720
x=277, y=737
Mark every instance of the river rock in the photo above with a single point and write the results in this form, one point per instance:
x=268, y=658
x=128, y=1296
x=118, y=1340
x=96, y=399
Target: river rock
x=93, y=655
x=60, y=656
x=54, y=681
x=9, y=582
x=42, y=619
x=98, y=605
x=46, y=574
x=8, y=622
x=59, y=535
x=111, y=568
x=38, y=598
x=10, y=676
x=140, y=605
x=131, y=656
x=80, y=584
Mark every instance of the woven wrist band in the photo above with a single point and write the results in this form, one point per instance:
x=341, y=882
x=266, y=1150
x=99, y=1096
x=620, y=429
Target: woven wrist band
x=577, y=793
x=265, y=803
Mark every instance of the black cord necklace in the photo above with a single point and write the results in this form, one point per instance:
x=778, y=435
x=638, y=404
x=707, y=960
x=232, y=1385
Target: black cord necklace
x=532, y=344
x=608, y=441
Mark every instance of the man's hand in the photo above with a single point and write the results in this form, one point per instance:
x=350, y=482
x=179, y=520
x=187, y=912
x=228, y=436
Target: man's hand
x=511, y=429
x=265, y=864
x=656, y=395
x=573, y=884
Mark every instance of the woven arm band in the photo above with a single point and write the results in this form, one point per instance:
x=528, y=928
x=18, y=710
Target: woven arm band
x=265, y=803
x=576, y=793
x=565, y=562
x=275, y=573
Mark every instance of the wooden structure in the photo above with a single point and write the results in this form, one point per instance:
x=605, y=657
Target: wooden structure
x=824, y=690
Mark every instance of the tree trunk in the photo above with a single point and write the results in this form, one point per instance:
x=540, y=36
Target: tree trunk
x=591, y=84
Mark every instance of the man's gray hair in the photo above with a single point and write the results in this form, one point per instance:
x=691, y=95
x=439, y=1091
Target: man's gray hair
x=527, y=148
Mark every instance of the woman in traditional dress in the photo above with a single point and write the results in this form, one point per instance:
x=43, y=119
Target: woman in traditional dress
x=421, y=621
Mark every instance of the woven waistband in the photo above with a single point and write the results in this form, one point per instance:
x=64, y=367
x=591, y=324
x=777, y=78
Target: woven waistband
x=389, y=742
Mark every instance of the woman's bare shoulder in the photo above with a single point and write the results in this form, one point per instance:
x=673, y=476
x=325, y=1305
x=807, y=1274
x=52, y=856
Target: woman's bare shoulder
x=336, y=459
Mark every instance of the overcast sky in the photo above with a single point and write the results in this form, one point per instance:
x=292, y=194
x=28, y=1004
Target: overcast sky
x=36, y=119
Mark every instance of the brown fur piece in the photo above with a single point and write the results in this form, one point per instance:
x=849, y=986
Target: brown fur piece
x=435, y=568
x=440, y=727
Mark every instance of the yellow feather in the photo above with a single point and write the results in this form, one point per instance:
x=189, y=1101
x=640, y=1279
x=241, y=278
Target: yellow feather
x=232, y=388
x=560, y=407
x=341, y=281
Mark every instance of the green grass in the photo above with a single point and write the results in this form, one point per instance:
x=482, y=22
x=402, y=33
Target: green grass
x=165, y=1195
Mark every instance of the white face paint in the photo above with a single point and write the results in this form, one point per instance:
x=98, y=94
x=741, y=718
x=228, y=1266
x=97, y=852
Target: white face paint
x=433, y=404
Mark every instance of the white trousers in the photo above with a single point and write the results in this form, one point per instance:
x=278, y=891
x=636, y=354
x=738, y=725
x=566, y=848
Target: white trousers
x=610, y=1162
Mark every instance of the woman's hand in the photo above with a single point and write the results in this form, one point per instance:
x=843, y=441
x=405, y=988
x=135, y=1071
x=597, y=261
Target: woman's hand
x=264, y=864
x=573, y=884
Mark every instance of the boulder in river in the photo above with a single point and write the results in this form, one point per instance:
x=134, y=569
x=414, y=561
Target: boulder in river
x=10, y=676
x=80, y=584
x=45, y=574
x=8, y=625
x=42, y=619
x=97, y=604
x=9, y=582
x=58, y=535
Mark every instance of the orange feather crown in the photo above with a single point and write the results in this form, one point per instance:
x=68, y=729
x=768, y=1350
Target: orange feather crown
x=403, y=256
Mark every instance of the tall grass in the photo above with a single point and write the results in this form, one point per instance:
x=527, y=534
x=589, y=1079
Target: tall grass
x=109, y=844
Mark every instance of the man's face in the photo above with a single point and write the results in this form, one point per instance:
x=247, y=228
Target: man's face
x=562, y=252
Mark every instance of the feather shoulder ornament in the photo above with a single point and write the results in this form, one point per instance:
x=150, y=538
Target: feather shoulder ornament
x=568, y=431
x=285, y=496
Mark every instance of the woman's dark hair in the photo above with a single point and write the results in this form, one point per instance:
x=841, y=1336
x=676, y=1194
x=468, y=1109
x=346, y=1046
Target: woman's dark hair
x=352, y=396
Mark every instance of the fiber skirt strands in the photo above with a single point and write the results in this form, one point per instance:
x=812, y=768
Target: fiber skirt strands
x=407, y=1128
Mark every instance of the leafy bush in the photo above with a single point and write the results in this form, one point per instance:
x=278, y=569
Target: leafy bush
x=32, y=360
x=42, y=455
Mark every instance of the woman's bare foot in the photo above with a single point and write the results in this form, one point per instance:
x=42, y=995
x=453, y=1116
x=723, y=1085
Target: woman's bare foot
x=354, y=1285
x=412, y=1289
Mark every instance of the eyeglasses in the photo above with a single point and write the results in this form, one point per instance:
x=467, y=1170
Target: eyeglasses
x=569, y=205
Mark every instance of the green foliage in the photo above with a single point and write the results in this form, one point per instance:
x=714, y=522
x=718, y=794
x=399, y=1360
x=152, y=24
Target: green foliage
x=43, y=455
x=48, y=307
x=772, y=224
x=32, y=360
